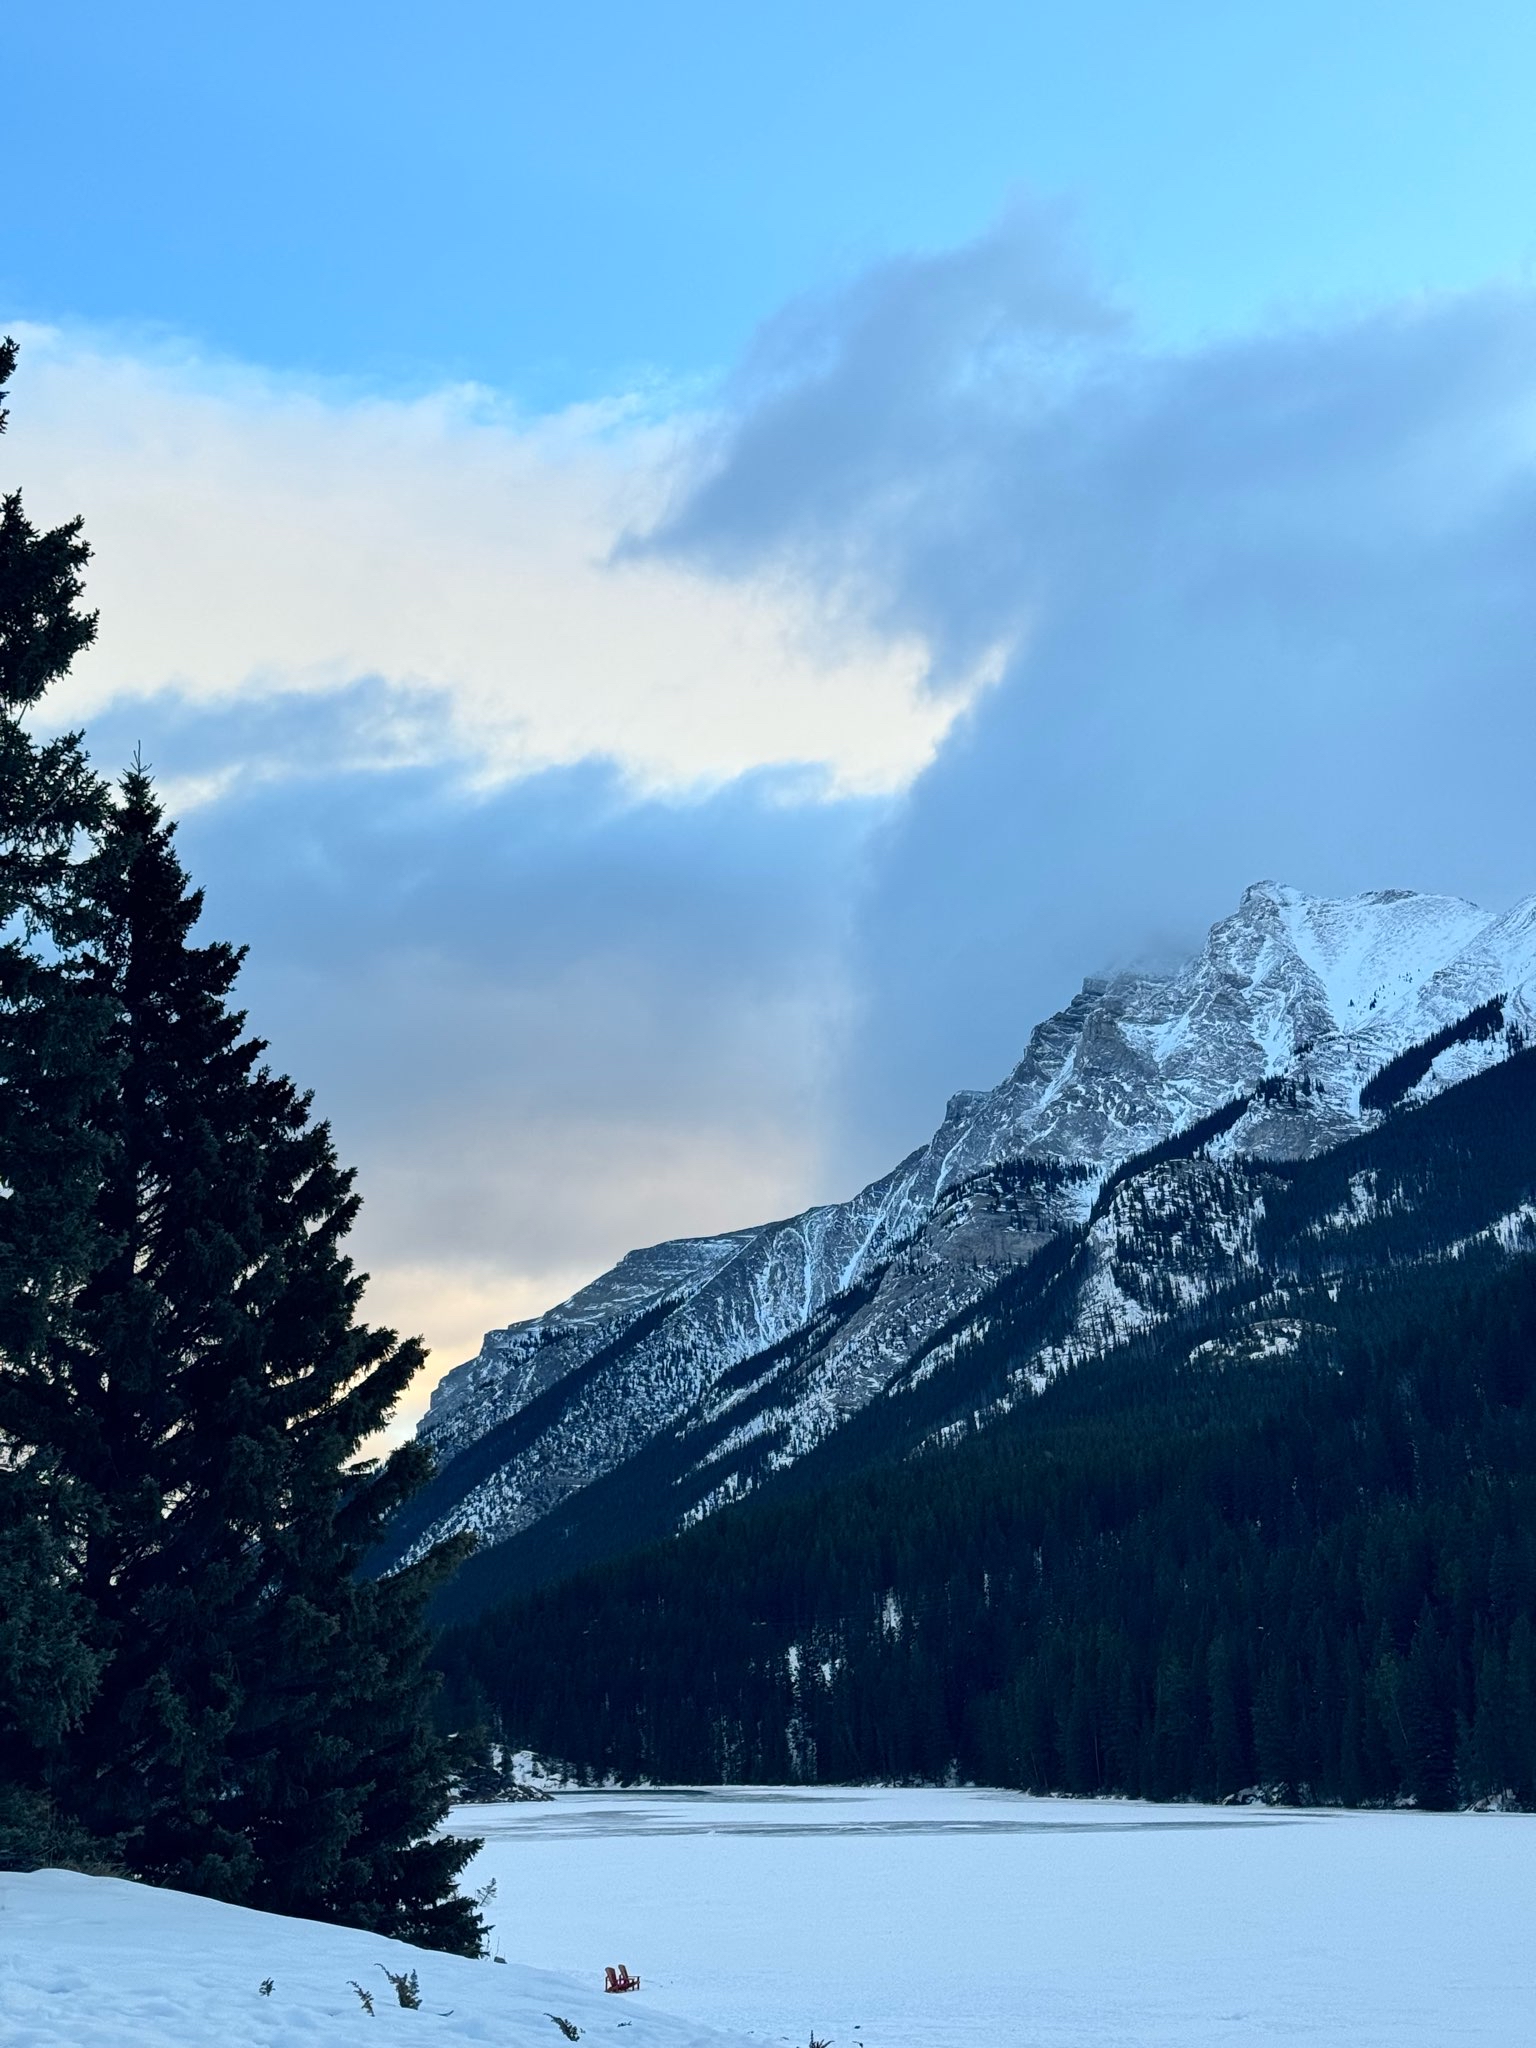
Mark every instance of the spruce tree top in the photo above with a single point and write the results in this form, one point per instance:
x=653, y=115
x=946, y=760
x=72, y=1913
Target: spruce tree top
x=41, y=626
x=48, y=794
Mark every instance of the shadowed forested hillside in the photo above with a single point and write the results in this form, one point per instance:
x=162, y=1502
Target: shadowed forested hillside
x=1287, y=1540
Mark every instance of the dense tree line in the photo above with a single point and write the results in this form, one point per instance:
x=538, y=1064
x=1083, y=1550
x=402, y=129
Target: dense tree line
x=196, y=1685
x=1428, y=1176
x=1390, y=1083
x=1188, y=1569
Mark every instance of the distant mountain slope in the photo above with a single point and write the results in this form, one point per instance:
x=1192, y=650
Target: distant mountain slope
x=695, y=1370
x=1277, y=1527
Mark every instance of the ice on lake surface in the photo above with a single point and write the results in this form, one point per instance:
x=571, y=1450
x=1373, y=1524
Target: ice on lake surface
x=933, y=1918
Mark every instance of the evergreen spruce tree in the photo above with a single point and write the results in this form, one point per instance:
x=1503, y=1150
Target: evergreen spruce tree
x=48, y=1667
x=194, y=1680
x=53, y=1069
x=262, y=1727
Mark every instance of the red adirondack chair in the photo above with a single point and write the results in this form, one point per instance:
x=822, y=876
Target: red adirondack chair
x=617, y=1978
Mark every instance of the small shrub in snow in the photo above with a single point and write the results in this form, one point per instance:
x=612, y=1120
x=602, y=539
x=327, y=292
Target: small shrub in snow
x=407, y=1989
x=365, y=1997
x=567, y=2027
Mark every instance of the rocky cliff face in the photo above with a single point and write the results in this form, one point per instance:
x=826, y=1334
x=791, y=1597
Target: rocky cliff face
x=707, y=1363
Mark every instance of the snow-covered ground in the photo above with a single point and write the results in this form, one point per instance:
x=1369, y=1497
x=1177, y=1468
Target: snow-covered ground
x=93, y=1962
x=933, y=1919
x=922, y=1919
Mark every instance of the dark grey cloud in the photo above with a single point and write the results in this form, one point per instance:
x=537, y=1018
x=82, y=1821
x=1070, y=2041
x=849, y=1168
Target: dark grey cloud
x=866, y=418
x=548, y=1019
x=211, y=747
x=1270, y=601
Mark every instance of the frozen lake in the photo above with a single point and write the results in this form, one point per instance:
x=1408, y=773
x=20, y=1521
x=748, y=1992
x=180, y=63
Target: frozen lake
x=929, y=1919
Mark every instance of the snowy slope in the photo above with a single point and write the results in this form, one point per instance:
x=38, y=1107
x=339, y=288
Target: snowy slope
x=1308, y=996
x=94, y=1962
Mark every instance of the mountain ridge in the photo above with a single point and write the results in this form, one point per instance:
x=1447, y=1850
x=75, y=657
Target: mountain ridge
x=1277, y=1541
x=1277, y=1024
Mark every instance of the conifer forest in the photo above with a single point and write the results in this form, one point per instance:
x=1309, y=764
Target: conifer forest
x=1281, y=1546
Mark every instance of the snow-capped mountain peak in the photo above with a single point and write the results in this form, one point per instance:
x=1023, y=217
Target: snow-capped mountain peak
x=1272, y=1028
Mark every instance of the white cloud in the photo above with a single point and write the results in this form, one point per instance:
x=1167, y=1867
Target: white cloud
x=253, y=535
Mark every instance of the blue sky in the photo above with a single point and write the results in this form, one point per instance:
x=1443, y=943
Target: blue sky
x=556, y=200
x=691, y=570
